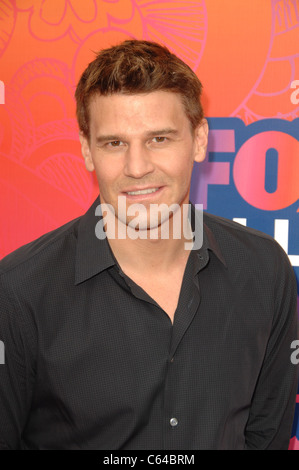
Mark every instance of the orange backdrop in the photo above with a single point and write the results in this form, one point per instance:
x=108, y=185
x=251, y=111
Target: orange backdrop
x=245, y=52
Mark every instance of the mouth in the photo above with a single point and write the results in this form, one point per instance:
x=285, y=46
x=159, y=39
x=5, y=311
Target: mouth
x=139, y=192
x=143, y=193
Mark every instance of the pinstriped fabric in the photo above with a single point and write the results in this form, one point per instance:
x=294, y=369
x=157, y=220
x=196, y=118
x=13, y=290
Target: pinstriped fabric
x=93, y=362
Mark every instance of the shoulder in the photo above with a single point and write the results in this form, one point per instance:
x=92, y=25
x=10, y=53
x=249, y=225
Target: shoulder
x=36, y=253
x=245, y=244
x=232, y=228
x=255, y=260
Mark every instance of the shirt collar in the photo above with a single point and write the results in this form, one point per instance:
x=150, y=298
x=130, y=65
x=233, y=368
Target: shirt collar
x=209, y=242
x=94, y=255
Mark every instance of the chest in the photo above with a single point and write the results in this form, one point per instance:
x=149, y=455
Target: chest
x=164, y=290
x=104, y=359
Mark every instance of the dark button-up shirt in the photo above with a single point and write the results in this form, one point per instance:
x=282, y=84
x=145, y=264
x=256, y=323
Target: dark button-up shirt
x=93, y=362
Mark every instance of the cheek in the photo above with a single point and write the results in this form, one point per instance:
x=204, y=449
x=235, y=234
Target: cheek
x=181, y=168
x=107, y=175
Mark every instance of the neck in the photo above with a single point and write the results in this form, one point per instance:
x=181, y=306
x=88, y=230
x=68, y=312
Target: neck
x=160, y=248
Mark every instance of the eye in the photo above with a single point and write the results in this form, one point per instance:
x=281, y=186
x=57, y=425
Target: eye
x=114, y=143
x=159, y=140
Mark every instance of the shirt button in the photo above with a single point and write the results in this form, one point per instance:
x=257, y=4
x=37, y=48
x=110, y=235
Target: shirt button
x=174, y=422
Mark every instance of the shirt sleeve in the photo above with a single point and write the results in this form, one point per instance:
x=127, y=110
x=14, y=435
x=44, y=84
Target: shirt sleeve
x=272, y=410
x=16, y=371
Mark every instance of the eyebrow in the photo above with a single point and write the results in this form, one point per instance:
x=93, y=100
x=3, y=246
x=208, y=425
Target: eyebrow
x=153, y=133
x=167, y=130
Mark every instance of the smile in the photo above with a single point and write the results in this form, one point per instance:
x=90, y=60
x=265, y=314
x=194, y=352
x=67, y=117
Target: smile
x=142, y=191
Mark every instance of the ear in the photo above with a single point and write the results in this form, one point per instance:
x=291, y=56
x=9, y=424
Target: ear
x=85, y=150
x=201, y=140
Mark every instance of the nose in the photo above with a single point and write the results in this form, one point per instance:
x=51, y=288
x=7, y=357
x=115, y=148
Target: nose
x=138, y=161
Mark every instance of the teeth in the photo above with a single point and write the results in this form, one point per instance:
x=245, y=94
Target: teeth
x=142, y=191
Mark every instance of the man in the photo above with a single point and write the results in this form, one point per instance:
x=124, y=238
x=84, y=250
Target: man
x=120, y=334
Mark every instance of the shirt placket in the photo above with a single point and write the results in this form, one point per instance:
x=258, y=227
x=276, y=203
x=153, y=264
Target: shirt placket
x=174, y=422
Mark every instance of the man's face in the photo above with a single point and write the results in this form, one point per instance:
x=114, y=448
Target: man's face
x=142, y=148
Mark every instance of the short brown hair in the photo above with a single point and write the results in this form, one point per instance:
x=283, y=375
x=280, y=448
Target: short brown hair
x=137, y=66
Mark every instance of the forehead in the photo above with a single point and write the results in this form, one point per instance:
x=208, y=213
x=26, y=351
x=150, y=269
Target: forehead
x=137, y=111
